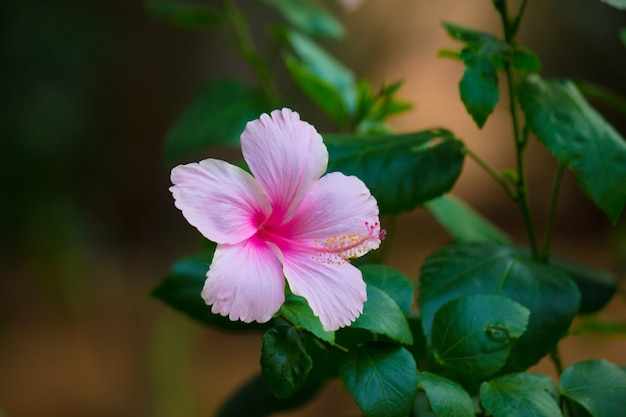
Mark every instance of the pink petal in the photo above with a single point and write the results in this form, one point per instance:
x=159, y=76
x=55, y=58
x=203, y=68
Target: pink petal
x=225, y=203
x=335, y=292
x=245, y=282
x=286, y=155
x=338, y=211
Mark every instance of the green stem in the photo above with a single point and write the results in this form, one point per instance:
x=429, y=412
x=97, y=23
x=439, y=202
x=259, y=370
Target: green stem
x=519, y=135
x=335, y=346
x=492, y=172
x=553, y=199
x=555, y=356
x=247, y=49
x=518, y=18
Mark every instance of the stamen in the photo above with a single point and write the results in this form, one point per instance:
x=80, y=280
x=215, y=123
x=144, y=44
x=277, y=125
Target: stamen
x=335, y=249
x=339, y=249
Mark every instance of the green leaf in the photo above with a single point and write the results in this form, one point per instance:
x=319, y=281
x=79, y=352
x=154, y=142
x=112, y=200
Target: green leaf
x=479, y=85
x=526, y=61
x=482, y=268
x=183, y=14
x=579, y=138
x=317, y=89
x=622, y=35
x=217, y=116
x=392, y=282
x=309, y=17
x=520, y=395
x=253, y=399
x=374, y=109
x=326, y=67
x=417, y=166
x=326, y=360
x=285, y=363
x=601, y=327
x=181, y=290
x=382, y=315
x=596, y=287
x=471, y=335
x=381, y=378
x=597, y=385
x=297, y=311
x=446, y=397
x=481, y=56
x=618, y=4
x=474, y=37
x=463, y=223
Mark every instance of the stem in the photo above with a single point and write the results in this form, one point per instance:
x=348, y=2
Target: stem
x=492, y=172
x=244, y=44
x=555, y=356
x=519, y=135
x=518, y=18
x=335, y=346
x=552, y=209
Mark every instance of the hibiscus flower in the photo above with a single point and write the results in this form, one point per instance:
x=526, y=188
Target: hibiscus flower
x=286, y=221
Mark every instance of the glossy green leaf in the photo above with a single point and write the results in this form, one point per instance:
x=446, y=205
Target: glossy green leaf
x=463, y=223
x=181, y=290
x=253, y=399
x=597, y=385
x=217, y=116
x=325, y=67
x=622, y=35
x=446, y=397
x=596, y=286
x=382, y=315
x=297, y=311
x=187, y=15
x=618, y=4
x=392, y=282
x=417, y=166
x=579, y=138
x=474, y=37
x=472, y=335
x=483, y=268
x=479, y=84
x=317, y=89
x=381, y=378
x=285, y=364
x=309, y=17
x=520, y=395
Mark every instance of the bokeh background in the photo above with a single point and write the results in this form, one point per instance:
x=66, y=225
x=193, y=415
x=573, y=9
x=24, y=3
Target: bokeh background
x=87, y=225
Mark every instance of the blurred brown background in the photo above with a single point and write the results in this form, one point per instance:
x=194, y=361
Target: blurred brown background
x=87, y=225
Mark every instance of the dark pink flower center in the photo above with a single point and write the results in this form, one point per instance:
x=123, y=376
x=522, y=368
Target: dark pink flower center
x=338, y=248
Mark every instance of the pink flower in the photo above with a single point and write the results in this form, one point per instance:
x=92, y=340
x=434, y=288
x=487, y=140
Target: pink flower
x=288, y=221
